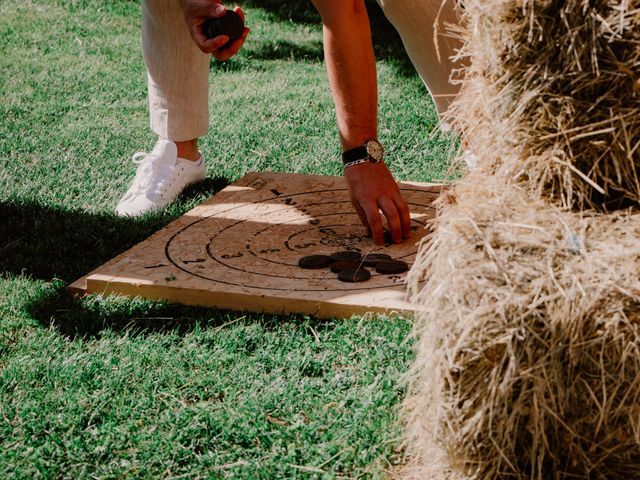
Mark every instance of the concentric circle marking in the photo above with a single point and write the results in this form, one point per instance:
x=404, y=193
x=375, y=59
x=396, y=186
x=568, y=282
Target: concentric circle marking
x=256, y=245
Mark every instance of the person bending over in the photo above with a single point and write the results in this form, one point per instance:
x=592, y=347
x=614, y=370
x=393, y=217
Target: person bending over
x=176, y=54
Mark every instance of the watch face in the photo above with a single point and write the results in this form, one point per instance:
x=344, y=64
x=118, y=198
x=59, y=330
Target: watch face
x=374, y=150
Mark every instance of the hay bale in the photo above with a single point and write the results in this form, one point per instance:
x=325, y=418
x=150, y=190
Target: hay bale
x=528, y=359
x=552, y=97
x=528, y=363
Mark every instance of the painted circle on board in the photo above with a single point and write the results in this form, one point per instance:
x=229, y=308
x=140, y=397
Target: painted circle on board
x=258, y=245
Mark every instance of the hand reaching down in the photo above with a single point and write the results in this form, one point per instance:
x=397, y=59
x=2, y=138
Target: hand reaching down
x=372, y=188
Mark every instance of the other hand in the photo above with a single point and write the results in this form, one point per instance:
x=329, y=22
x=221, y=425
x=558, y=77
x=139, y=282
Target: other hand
x=372, y=188
x=196, y=13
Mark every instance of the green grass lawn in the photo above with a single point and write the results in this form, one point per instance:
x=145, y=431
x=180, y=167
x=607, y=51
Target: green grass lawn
x=116, y=388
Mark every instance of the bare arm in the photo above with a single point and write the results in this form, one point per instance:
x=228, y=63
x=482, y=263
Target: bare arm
x=352, y=76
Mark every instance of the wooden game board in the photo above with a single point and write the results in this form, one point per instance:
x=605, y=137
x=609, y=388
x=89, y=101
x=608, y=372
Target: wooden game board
x=239, y=250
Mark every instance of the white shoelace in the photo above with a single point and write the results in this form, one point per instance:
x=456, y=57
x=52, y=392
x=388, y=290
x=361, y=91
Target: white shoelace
x=151, y=175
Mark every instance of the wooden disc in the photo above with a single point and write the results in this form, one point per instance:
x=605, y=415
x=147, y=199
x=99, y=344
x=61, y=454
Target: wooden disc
x=346, y=256
x=389, y=267
x=315, y=261
x=373, y=259
x=354, y=275
x=337, y=267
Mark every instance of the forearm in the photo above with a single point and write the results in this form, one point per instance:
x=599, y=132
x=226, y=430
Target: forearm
x=351, y=68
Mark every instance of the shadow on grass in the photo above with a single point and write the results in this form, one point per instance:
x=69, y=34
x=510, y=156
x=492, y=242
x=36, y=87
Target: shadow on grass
x=92, y=316
x=59, y=246
x=387, y=43
x=268, y=51
x=47, y=243
x=283, y=50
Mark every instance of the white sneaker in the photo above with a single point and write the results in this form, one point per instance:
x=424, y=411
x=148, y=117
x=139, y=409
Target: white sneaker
x=160, y=178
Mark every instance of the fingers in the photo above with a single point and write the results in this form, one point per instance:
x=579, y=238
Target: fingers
x=239, y=11
x=372, y=190
x=374, y=222
x=390, y=211
x=219, y=46
x=405, y=214
x=395, y=211
x=212, y=45
x=361, y=215
x=398, y=223
x=218, y=10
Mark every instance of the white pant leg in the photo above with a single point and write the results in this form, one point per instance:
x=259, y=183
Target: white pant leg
x=414, y=21
x=178, y=73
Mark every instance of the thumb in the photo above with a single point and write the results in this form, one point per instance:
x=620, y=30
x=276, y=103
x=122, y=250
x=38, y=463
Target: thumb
x=217, y=10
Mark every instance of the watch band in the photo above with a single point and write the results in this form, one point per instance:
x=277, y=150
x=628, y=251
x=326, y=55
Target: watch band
x=358, y=153
x=355, y=162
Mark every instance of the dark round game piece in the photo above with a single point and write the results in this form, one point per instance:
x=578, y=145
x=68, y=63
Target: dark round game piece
x=373, y=259
x=388, y=240
x=346, y=256
x=388, y=267
x=315, y=261
x=337, y=267
x=354, y=275
x=230, y=24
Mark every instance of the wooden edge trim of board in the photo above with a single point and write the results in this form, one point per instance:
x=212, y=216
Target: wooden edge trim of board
x=105, y=285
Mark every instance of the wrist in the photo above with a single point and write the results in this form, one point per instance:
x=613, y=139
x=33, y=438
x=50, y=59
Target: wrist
x=371, y=151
